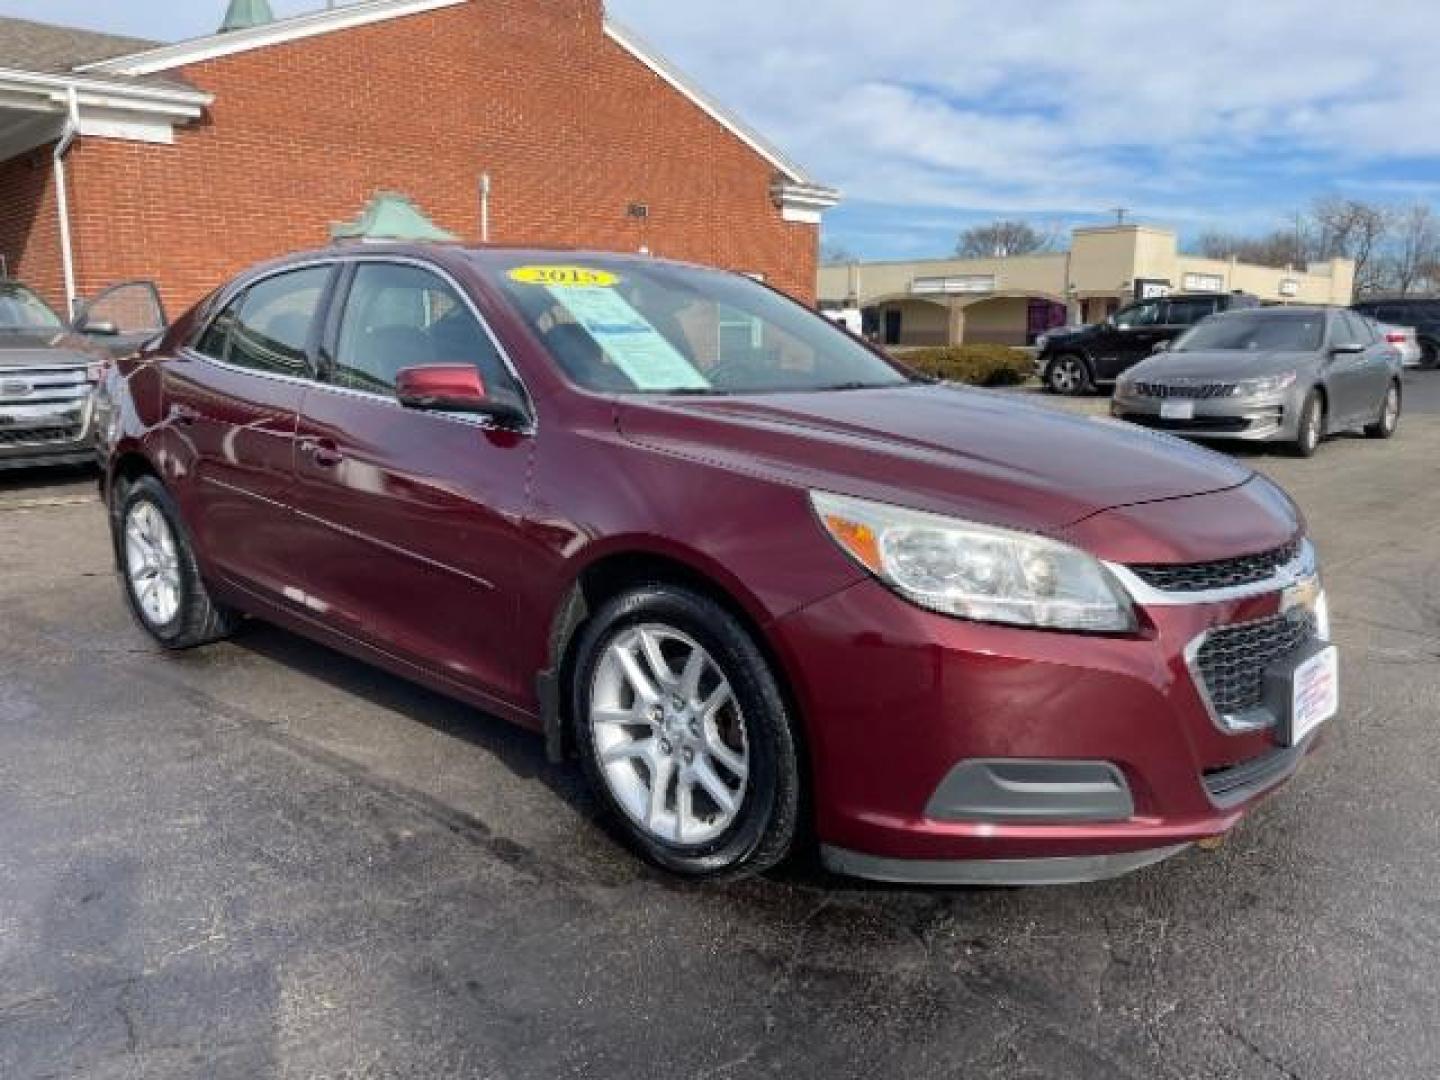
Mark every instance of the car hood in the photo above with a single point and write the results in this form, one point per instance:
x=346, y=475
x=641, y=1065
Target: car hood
x=1228, y=364
x=39, y=349
x=982, y=455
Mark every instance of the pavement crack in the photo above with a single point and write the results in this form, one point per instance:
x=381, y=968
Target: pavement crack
x=1249, y=1044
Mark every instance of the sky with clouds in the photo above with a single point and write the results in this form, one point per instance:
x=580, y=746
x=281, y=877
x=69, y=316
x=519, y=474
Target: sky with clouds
x=933, y=114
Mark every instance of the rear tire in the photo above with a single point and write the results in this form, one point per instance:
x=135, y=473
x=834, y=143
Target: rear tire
x=1069, y=376
x=1389, y=421
x=1312, y=426
x=158, y=571
x=641, y=712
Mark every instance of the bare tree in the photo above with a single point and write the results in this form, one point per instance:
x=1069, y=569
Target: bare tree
x=832, y=254
x=1415, y=259
x=1281, y=248
x=1355, y=230
x=1001, y=239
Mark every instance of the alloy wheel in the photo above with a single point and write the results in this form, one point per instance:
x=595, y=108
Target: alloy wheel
x=1390, y=418
x=1066, y=375
x=152, y=563
x=669, y=736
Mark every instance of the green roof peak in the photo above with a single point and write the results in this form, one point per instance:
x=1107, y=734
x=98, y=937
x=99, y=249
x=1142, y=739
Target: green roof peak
x=391, y=216
x=244, y=14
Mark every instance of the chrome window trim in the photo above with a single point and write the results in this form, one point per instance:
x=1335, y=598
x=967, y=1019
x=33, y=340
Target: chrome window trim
x=224, y=300
x=439, y=271
x=1299, y=570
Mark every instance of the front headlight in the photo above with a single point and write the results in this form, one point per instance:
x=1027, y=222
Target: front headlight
x=977, y=571
x=1268, y=384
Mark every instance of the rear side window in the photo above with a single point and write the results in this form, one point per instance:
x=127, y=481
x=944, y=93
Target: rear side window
x=271, y=330
x=399, y=316
x=1189, y=312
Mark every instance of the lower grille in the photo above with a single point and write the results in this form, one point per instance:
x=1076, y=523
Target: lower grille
x=44, y=436
x=1199, y=424
x=1233, y=660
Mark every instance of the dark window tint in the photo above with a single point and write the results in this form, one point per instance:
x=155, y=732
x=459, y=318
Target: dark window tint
x=216, y=339
x=1188, y=312
x=1139, y=315
x=399, y=316
x=272, y=327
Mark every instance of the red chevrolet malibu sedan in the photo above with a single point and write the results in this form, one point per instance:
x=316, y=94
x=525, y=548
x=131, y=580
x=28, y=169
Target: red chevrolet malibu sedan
x=751, y=572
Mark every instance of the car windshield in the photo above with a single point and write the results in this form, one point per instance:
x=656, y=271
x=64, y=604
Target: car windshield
x=1257, y=331
x=21, y=309
x=638, y=327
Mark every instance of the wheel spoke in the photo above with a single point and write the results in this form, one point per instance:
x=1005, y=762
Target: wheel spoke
x=618, y=717
x=635, y=750
x=684, y=806
x=734, y=764
x=662, y=771
x=693, y=671
x=718, y=699
x=634, y=674
x=655, y=657
x=723, y=797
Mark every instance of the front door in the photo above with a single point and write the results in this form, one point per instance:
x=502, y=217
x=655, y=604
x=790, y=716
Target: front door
x=1355, y=379
x=123, y=317
x=232, y=402
x=1134, y=335
x=413, y=520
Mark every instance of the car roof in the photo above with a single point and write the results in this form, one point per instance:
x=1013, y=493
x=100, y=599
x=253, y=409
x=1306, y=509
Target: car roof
x=484, y=257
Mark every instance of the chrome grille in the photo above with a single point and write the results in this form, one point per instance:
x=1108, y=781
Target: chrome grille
x=1193, y=391
x=1224, y=574
x=1233, y=660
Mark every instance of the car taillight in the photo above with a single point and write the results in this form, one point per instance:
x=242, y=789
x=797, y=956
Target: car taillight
x=1395, y=339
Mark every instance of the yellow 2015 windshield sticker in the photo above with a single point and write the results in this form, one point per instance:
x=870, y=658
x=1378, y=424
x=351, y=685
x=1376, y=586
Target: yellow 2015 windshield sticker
x=565, y=277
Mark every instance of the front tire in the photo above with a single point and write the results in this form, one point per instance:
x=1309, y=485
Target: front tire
x=1389, y=420
x=1312, y=426
x=684, y=734
x=1069, y=375
x=158, y=570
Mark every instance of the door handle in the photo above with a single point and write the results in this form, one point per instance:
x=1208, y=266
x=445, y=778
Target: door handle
x=324, y=453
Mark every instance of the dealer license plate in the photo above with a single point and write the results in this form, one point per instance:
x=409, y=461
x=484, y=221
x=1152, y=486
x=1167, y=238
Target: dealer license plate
x=1314, y=694
x=1177, y=410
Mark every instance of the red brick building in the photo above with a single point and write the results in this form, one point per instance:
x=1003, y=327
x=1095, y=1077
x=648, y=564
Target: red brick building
x=186, y=162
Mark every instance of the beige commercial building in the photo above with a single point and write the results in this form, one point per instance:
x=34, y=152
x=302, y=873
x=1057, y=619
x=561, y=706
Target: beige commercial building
x=1012, y=300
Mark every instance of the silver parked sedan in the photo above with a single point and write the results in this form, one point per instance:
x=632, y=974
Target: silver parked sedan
x=1290, y=375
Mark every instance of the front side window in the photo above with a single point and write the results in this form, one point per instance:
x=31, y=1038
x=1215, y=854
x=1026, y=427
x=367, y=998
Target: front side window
x=640, y=327
x=1138, y=315
x=1257, y=331
x=268, y=327
x=1351, y=330
x=21, y=309
x=399, y=316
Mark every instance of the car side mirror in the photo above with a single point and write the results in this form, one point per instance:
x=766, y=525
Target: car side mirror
x=455, y=388
x=99, y=328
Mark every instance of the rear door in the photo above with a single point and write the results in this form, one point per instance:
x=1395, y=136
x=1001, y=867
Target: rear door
x=232, y=402
x=413, y=521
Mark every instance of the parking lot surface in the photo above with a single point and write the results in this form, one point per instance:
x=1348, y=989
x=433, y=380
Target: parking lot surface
x=263, y=859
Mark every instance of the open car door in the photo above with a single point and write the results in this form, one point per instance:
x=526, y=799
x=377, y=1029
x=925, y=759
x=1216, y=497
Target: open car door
x=123, y=317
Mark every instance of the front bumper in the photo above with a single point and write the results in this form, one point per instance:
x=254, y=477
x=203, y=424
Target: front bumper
x=1267, y=418
x=899, y=698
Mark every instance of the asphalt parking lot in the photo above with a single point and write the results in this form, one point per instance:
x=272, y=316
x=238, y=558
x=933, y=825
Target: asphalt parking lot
x=263, y=859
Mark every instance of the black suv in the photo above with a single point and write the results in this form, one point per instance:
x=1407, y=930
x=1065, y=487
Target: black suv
x=1423, y=314
x=1075, y=360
